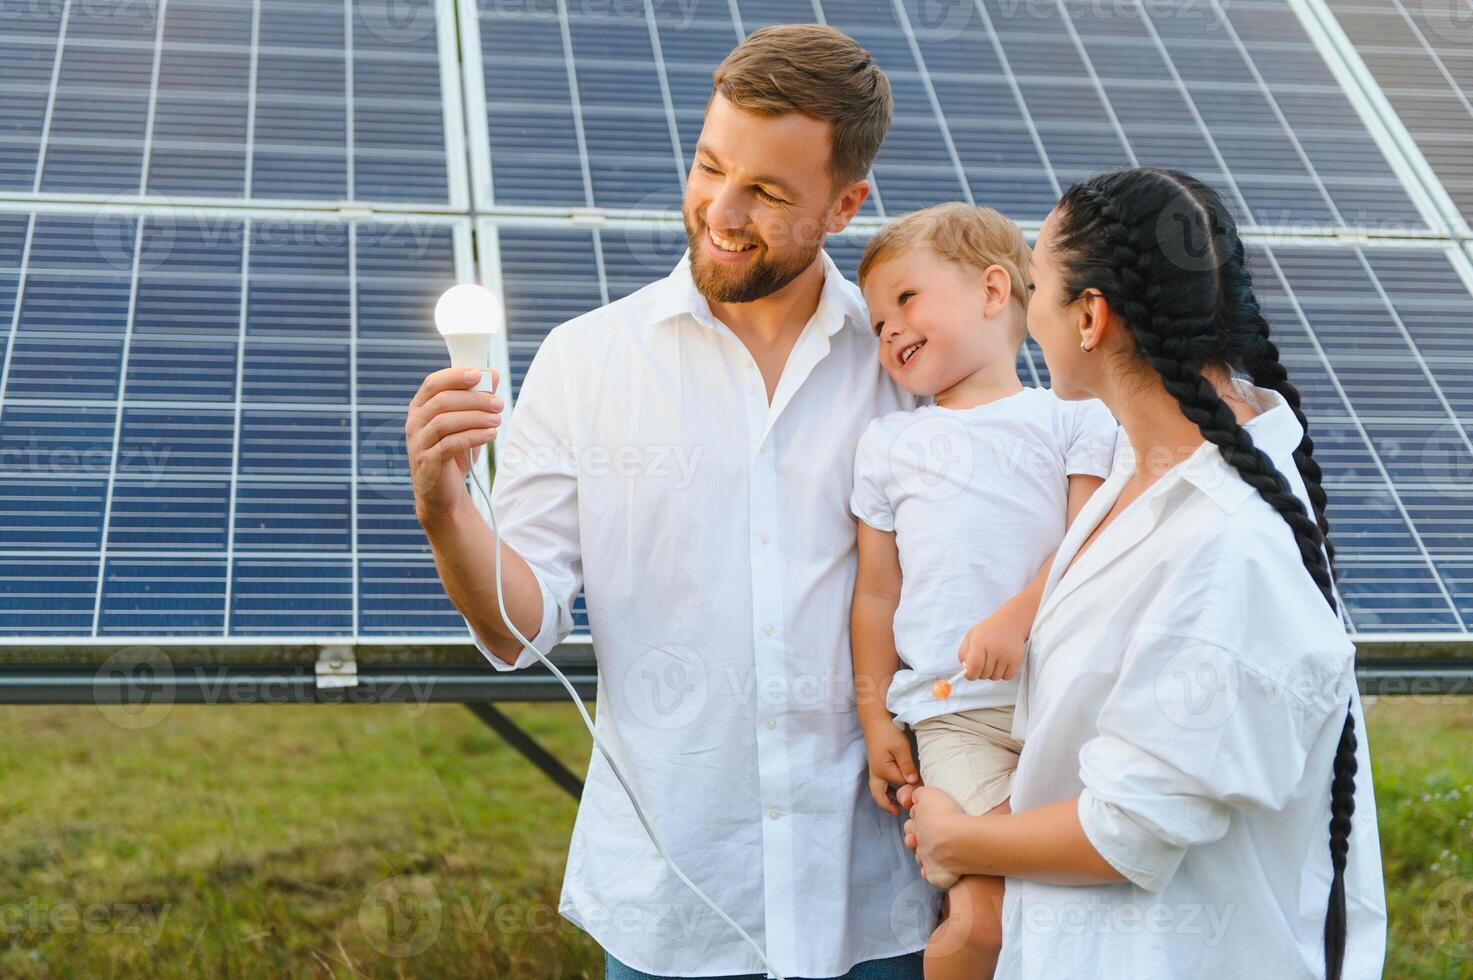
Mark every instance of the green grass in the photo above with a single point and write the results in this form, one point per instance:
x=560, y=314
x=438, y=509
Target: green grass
x=387, y=841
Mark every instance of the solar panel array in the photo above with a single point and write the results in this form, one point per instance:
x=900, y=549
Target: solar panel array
x=223, y=226
x=1421, y=57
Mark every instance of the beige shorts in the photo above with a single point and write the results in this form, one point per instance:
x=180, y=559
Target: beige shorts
x=970, y=755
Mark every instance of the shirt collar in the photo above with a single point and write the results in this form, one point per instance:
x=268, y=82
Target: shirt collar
x=1274, y=430
x=839, y=303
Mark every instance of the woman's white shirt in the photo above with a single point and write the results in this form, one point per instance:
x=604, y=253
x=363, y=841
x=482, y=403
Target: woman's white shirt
x=1187, y=681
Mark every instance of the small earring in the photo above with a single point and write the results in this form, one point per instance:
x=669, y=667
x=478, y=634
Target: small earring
x=1084, y=348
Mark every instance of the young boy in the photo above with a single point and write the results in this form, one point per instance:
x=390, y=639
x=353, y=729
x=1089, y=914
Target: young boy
x=960, y=504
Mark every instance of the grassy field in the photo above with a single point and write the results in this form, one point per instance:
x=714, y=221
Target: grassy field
x=390, y=841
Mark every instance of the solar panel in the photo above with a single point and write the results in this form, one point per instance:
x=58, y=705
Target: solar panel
x=206, y=362
x=1421, y=57
x=304, y=100
x=1371, y=335
x=997, y=102
x=201, y=421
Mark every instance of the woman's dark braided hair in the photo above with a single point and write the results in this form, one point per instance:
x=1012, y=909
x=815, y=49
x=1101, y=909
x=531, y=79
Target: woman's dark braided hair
x=1164, y=251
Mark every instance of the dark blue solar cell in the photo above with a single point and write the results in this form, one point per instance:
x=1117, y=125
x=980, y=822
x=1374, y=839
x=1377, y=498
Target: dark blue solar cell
x=176, y=441
x=47, y=596
x=276, y=371
x=404, y=597
x=274, y=597
x=390, y=374
x=547, y=277
x=757, y=14
x=162, y=596
x=181, y=305
x=294, y=443
x=1387, y=596
x=168, y=515
x=1342, y=451
x=383, y=456
x=636, y=255
x=1444, y=517
x=305, y=307
x=292, y=517
x=386, y=520
x=64, y=442
x=297, y=248
x=402, y=310
x=1364, y=520
x=395, y=27
x=1458, y=577
x=162, y=370
x=85, y=367
x=207, y=22
x=405, y=248
x=1421, y=452
x=74, y=304
x=48, y=514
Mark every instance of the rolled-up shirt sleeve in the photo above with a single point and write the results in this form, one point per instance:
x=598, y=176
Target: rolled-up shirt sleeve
x=535, y=493
x=1188, y=734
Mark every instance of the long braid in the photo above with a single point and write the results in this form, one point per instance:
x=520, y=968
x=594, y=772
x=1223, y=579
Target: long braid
x=1260, y=359
x=1207, y=318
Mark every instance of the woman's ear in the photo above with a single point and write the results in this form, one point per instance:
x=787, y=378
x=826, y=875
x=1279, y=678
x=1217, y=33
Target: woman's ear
x=1095, y=321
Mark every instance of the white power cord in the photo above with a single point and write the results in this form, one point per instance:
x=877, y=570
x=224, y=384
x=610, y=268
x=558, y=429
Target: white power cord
x=588, y=723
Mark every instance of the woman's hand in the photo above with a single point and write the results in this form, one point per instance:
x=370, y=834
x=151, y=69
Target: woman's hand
x=890, y=762
x=932, y=831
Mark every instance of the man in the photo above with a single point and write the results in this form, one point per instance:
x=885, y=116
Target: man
x=685, y=456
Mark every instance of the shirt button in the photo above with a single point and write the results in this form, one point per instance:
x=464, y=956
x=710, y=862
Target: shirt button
x=772, y=814
x=772, y=723
x=767, y=631
x=765, y=537
x=762, y=449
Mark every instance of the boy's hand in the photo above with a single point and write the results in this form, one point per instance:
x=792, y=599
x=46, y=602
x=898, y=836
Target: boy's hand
x=890, y=763
x=993, y=649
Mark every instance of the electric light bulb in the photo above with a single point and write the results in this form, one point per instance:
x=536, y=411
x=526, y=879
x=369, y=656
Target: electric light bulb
x=467, y=315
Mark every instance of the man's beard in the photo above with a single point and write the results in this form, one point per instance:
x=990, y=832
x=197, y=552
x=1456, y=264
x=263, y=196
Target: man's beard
x=760, y=277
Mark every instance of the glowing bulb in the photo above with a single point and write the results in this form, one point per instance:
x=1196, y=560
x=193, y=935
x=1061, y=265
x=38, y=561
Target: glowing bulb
x=467, y=315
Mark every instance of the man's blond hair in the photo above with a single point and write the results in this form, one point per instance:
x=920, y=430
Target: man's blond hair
x=960, y=233
x=820, y=72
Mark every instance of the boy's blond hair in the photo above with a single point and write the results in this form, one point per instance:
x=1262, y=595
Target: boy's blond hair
x=963, y=234
x=818, y=71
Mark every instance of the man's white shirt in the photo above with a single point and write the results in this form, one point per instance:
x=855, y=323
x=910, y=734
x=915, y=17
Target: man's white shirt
x=711, y=534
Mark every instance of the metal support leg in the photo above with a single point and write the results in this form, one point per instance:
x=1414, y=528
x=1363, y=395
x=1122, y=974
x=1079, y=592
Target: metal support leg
x=528, y=747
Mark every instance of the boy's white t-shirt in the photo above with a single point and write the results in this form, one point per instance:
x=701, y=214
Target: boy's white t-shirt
x=978, y=500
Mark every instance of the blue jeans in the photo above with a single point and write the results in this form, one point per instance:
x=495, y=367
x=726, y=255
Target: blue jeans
x=907, y=966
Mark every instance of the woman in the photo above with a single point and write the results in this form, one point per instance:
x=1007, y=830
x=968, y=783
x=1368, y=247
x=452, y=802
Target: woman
x=1183, y=803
